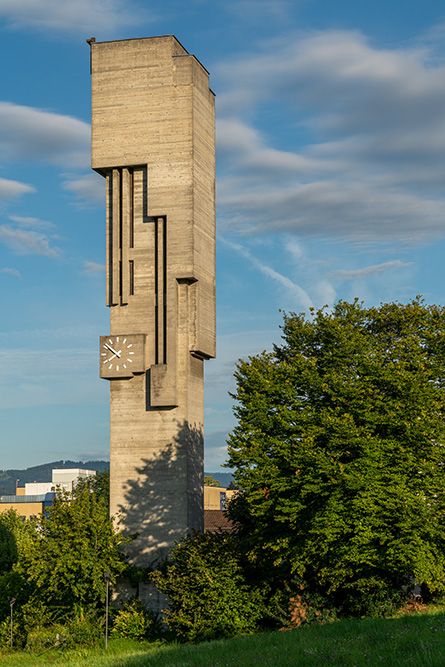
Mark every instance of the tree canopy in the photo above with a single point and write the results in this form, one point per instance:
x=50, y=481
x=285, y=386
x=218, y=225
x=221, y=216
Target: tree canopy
x=76, y=543
x=339, y=448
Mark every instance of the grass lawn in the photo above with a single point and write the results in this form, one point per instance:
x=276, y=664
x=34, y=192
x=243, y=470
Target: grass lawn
x=413, y=640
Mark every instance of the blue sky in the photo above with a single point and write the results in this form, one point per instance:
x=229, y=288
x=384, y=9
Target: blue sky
x=330, y=172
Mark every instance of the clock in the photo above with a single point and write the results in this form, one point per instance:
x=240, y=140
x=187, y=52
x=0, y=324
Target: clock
x=121, y=356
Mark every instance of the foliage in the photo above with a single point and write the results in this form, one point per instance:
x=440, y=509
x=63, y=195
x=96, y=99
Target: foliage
x=13, y=585
x=209, y=481
x=339, y=450
x=8, y=548
x=77, y=543
x=207, y=590
x=16, y=540
x=98, y=484
x=18, y=633
x=135, y=621
x=23, y=533
x=35, y=615
x=81, y=631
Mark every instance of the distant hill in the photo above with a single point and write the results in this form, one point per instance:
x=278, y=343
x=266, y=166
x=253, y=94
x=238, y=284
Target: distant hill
x=223, y=477
x=42, y=473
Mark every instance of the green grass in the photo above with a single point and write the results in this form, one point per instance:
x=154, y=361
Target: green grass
x=413, y=640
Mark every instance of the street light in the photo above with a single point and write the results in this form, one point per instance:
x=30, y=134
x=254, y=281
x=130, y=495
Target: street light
x=107, y=577
x=11, y=603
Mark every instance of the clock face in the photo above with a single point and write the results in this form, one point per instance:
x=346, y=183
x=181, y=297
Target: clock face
x=121, y=356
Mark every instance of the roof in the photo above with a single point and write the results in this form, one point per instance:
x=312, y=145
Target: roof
x=216, y=520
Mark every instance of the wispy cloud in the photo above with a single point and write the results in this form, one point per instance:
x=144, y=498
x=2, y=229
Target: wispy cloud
x=12, y=189
x=28, y=242
x=298, y=293
x=12, y=272
x=367, y=271
x=363, y=158
x=27, y=133
x=88, y=188
x=34, y=223
x=81, y=16
x=92, y=268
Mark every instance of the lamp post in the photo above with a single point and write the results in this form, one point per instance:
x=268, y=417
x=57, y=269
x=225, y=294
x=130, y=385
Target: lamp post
x=107, y=577
x=11, y=603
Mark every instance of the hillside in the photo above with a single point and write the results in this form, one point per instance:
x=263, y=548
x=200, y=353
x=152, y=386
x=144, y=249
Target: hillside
x=42, y=473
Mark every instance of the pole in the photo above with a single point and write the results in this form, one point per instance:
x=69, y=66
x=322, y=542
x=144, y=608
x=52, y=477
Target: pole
x=107, y=577
x=11, y=603
x=106, y=621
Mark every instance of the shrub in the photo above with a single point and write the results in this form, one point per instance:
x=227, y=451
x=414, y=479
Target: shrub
x=18, y=634
x=137, y=622
x=86, y=631
x=208, y=593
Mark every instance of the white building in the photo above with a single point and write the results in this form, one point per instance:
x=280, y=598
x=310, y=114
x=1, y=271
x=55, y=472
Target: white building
x=64, y=478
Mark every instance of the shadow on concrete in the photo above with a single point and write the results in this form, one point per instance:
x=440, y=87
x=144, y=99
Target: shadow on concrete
x=164, y=500
x=162, y=503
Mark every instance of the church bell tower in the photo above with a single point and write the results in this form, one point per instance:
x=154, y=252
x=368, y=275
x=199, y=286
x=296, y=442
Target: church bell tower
x=153, y=142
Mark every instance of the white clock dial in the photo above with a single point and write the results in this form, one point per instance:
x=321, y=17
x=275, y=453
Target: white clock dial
x=121, y=356
x=117, y=353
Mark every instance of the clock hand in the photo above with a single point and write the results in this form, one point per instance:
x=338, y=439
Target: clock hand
x=117, y=354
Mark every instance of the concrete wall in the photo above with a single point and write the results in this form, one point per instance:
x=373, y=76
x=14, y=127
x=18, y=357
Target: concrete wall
x=153, y=140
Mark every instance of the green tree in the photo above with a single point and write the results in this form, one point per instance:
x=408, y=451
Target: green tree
x=209, y=596
x=209, y=481
x=99, y=484
x=17, y=538
x=77, y=543
x=339, y=450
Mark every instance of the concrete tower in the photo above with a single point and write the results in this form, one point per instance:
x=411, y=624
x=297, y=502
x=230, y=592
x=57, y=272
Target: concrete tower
x=153, y=141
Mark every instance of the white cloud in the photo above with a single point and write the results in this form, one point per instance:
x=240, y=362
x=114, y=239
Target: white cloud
x=106, y=16
x=27, y=242
x=215, y=449
x=298, y=294
x=12, y=272
x=11, y=189
x=33, y=134
x=92, y=268
x=35, y=223
x=350, y=210
x=364, y=155
x=100, y=455
x=365, y=272
x=88, y=188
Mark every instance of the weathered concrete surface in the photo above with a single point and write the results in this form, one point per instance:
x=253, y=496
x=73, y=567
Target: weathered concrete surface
x=153, y=140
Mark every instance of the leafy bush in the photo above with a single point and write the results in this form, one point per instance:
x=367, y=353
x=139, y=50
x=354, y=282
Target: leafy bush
x=87, y=631
x=12, y=584
x=135, y=621
x=18, y=633
x=207, y=589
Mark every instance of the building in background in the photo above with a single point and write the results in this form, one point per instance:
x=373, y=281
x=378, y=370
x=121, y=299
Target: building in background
x=216, y=499
x=36, y=497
